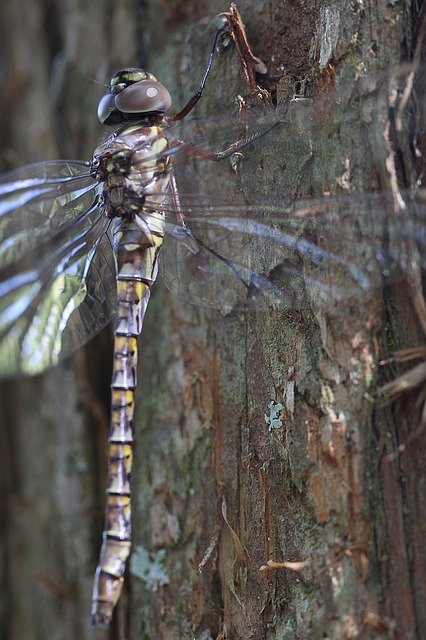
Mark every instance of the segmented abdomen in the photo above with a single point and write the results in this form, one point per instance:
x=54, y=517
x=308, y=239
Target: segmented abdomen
x=137, y=257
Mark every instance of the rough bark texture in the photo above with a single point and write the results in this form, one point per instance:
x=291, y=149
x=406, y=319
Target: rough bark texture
x=340, y=483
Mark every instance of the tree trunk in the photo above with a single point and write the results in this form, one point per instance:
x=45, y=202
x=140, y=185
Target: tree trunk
x=337, y=485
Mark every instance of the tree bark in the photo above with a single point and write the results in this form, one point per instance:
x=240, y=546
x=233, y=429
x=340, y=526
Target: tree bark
x=337, y=487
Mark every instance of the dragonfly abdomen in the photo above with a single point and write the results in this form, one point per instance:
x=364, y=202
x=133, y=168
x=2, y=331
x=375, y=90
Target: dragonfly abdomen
x=137, y=256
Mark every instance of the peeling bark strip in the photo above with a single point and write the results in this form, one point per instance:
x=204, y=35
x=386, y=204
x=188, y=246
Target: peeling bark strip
x=251, y=64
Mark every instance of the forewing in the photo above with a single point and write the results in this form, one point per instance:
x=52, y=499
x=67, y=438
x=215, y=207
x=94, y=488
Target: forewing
x=192, y=141
x=50, y=307
x=38, y=200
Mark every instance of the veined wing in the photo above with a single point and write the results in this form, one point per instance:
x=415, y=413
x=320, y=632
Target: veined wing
x=39, y=199
x=196, y=137
x=331, y=250
x=57, y=273
x=336, y=248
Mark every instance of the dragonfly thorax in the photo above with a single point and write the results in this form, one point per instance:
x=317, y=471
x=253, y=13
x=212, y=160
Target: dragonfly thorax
x=111, y=164
x=133, y=168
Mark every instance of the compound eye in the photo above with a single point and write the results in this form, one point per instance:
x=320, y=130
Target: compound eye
x=142, y=97
x=105, y=107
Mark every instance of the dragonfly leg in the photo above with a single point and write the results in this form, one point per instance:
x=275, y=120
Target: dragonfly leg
x=176, y=199
x=197, y=95
x=226, y=153
x=181, y=219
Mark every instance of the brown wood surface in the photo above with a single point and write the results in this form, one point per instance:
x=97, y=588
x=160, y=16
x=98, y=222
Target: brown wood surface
x=340, y=485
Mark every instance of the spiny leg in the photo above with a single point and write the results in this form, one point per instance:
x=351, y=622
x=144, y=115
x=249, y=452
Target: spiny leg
x=218, y=156
x=197, y=95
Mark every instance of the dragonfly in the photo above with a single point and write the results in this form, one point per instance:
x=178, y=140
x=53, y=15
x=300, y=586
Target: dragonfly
x=81, y=243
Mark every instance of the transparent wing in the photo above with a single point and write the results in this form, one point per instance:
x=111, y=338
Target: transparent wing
x=192, y=138
x=39, y=199
x=57, y=270
x=332, y=249
x=288, y=251
x=45, y=314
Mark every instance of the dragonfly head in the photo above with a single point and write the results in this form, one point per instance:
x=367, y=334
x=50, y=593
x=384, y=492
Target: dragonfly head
x=134, y=95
